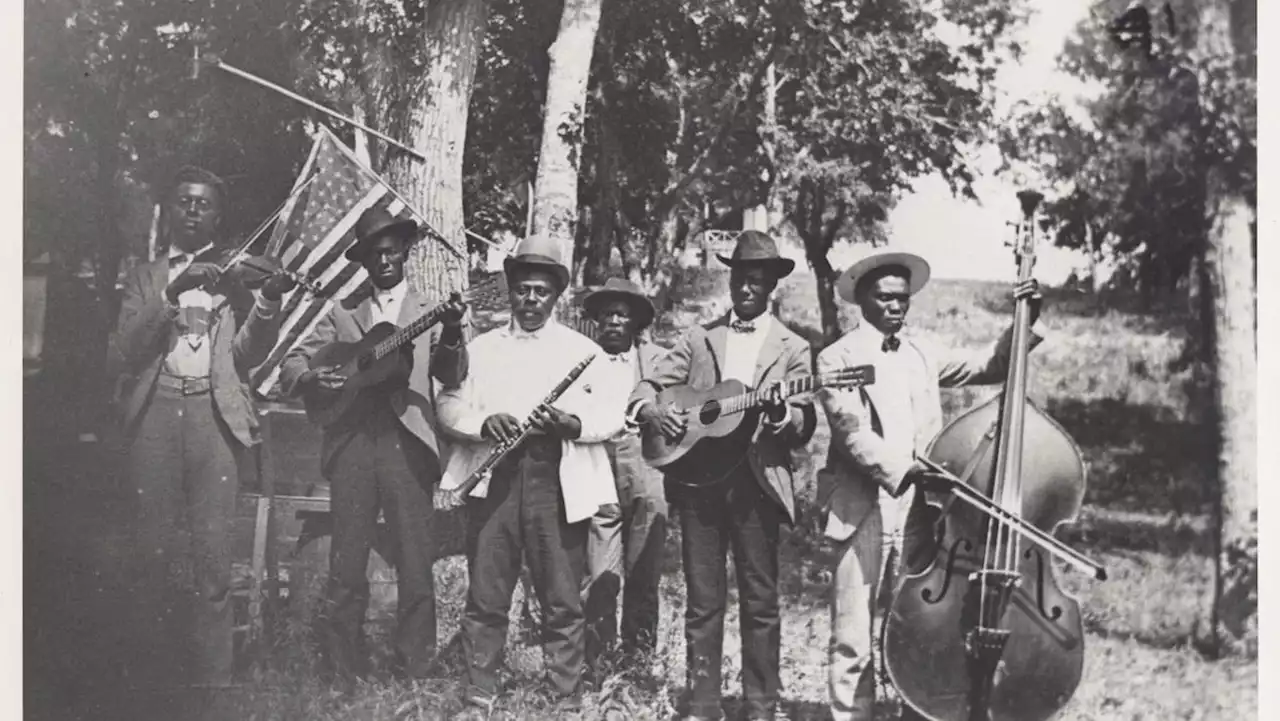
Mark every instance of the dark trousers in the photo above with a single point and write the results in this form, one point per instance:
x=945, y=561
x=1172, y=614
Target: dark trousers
x=523, y=515
x=626, y=550
x=734, y=514
x=382, y=468
x=182, y=473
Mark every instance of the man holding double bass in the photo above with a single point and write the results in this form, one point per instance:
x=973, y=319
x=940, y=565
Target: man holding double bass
x=745, y=508
x=868, y=486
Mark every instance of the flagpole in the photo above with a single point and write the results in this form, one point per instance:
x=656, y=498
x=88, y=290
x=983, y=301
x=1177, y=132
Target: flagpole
x=217, y=63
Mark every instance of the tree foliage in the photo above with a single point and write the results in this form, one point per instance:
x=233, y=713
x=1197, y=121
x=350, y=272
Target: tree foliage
x=1128, y=173
x=872, y=95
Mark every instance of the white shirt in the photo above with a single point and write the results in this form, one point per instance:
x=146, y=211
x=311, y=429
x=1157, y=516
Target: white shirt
x=742, y=350
x=901, y=375
x=623, y=371
x=189, y=349
x=387, y=303
x=511, y=371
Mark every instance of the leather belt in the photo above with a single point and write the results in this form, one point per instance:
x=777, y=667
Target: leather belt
x=184, y=386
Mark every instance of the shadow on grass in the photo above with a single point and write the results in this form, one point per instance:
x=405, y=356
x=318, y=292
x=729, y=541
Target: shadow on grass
x=1140, y=458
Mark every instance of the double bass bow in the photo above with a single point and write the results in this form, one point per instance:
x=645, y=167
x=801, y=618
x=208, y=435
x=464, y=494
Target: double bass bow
x=983, y=632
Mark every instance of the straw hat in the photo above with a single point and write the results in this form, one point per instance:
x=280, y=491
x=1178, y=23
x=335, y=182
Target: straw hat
x=917, y=268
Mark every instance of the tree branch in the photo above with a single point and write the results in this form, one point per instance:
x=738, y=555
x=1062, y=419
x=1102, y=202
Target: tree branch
x=683, y=181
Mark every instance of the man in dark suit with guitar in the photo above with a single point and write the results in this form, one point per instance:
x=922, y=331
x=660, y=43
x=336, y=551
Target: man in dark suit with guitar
x=744, y=501
x=627, y=538
x=186, y=339
x=382, y=453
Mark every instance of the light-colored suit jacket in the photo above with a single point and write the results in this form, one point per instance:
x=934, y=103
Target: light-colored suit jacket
x=697, y=359
x=240, y=335
x=348, y=321
x=859, y=462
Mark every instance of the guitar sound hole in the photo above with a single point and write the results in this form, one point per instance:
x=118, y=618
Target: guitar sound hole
x=709, y=413
x=364, y=361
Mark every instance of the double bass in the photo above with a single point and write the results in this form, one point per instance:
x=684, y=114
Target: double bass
x=983, y=632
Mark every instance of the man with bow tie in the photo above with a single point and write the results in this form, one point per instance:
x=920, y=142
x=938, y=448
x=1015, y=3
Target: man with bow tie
x=537, y=504
x=383, y=455
x=625, y=550
x=746, y=509
x=868, y=487
x=185, y=342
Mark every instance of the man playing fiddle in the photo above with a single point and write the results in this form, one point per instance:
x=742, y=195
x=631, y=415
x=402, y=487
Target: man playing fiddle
x=186, y=339
x=868, y=487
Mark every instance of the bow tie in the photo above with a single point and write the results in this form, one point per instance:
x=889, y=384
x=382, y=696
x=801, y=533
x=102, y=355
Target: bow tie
x=743, y=326
x=890, y=344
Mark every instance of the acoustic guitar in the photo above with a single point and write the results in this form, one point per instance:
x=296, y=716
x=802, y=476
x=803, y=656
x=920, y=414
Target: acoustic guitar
x=720, y=424
x=377, y=357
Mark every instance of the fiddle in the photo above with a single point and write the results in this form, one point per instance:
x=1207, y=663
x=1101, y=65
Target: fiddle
x=983, y=632
x=237, y=266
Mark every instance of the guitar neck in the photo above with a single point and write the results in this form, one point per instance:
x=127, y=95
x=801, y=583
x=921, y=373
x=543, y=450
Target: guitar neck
x=423, y=324
x=402, y=336
x=751, y=399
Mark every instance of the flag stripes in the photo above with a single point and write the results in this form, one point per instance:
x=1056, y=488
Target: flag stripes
x=311, y=239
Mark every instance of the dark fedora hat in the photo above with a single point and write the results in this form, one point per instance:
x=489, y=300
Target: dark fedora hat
x=375, y=223
x=625, y=290
x=756, y=248
x=538, y=252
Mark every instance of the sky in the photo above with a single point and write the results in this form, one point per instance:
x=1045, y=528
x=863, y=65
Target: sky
x=964, y=239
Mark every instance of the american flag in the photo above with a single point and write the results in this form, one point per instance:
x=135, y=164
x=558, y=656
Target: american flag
x=315, y=229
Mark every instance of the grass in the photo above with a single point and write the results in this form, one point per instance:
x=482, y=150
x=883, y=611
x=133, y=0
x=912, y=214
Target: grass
x=1106, y=377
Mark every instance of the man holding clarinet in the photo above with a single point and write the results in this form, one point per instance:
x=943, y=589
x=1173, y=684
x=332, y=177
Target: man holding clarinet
x=536, y=501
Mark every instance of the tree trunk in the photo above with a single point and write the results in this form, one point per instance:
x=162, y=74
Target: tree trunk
x=604, y=225
x=1230, y=276
x=426, y=106
x=1229, y=266
x=555, y=200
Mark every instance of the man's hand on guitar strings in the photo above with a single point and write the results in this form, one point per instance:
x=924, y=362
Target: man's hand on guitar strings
x=666, y=418
x=500, y=427
x=323, y=378
x=775, y=403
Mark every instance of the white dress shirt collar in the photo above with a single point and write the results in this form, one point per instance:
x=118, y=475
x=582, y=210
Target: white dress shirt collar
x=387, y=302
x=513, y=330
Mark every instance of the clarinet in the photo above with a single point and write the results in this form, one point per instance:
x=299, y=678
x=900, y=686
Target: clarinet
x=501, y=451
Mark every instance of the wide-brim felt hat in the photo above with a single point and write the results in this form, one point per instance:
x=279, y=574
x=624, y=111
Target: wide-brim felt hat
x=538, y=252
x=916, y=267
x=756, y=248
x=625, y=290
x=375, y=223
